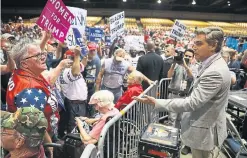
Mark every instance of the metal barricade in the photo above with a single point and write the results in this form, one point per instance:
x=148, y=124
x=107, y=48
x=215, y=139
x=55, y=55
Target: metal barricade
x=120, y=135
x=89, y=152
x=162, y=93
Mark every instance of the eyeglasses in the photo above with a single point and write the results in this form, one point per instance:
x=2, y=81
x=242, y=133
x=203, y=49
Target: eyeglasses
x=39, y=56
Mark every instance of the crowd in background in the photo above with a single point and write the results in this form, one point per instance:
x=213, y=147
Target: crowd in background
x=34, y=63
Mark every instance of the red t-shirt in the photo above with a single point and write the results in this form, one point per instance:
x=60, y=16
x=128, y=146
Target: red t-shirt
x=21, y=80
x=133, y=90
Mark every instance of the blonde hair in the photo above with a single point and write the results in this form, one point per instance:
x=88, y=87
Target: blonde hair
x=136, y=76
x=119, y=50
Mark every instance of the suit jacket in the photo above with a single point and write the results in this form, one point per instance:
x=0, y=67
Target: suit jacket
x=151, y=65
x=203, y=125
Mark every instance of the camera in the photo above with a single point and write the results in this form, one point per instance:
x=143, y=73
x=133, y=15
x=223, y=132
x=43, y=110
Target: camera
x=179, y=57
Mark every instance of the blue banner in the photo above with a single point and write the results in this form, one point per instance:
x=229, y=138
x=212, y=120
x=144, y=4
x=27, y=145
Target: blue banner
x=87, y=31
x=108, y=41
x=95, y=35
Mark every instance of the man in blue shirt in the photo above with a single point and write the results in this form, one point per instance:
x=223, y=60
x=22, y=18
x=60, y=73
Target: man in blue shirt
x=91, y=72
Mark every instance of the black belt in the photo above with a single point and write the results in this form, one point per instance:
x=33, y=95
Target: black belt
x=77, y=101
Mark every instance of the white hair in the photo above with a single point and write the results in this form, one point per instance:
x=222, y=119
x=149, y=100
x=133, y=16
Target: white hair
x=20, y=50
x=105, y=98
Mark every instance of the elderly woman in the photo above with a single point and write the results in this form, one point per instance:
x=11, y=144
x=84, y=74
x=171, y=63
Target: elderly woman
x=134, y=89
x=103, y=102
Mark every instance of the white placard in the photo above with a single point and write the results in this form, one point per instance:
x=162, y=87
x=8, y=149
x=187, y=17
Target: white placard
x=116, y=25
x=134, y=41
x=178, y=30
x=78, y=23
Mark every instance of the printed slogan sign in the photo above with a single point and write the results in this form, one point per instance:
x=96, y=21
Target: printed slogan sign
x=178, y=30
x=78, y=25
x=116, y=25
x=56, y=18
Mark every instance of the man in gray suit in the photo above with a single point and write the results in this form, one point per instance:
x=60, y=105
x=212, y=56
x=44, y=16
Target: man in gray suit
x=203, y=126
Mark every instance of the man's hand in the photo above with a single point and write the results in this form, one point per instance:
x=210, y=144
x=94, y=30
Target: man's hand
x=146, y=100
x=184, y=64
x=47, y=35
x=83, y=118
x=84, y=61
x=77, y=51
x=150, y=82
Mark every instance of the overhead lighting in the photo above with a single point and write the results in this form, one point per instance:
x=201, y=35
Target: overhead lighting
x=159, y=1
x=124, y=0
x=194, y=2
x=84, y=0
x=229, y=4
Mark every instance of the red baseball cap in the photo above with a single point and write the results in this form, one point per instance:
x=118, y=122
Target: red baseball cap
x=91, y=46
x=68, y=53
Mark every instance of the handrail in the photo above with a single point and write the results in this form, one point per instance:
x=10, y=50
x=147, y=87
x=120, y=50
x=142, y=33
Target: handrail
x=89, y=152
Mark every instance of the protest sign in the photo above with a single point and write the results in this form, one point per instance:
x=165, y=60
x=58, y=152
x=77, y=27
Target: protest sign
x=56, y=18
x=116, y=25
x=108, y=41
x=178, y=30
x=134, y=41
x=77, y=29
x=95, y=34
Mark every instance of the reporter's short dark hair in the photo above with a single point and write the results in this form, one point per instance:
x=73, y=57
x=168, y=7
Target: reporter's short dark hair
x=190, y=50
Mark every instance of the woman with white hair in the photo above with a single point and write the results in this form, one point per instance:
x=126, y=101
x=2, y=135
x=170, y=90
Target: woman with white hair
x=103, y=102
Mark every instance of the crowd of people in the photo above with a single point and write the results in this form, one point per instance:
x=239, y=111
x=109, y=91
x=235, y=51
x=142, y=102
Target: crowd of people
x=48, y=89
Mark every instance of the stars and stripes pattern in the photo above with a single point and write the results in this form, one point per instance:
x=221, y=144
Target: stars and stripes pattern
x=32, y=97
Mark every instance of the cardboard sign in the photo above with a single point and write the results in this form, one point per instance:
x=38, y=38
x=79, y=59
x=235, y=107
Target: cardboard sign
x=116, y=25
x=134, y=41
x=56, y=18
x=178, y=30
x=95, y=34
x=77, y=28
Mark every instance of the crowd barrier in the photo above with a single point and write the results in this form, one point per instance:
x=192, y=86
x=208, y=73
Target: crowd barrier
x=120, y=135
x=89, y=152
x=162, y=93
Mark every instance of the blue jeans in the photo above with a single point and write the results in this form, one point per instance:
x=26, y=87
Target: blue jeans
x=117, y=92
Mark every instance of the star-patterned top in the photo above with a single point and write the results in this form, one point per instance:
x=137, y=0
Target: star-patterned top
x=32, y=97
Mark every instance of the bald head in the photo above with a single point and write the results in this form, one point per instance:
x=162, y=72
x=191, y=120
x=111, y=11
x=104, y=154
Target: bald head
x=150, y=46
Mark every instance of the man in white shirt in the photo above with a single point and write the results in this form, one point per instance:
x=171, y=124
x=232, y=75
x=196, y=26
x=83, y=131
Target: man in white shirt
x=74, y=89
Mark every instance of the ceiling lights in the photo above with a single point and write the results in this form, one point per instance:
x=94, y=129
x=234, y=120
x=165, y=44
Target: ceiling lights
x=159, y=1
x=124, y=0
x=229, y=3
x=194, y=2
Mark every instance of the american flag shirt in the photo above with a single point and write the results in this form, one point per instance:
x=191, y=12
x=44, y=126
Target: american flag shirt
x=42, y=98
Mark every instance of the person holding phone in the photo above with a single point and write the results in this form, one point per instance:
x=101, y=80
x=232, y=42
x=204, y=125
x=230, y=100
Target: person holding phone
x=74, y=89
